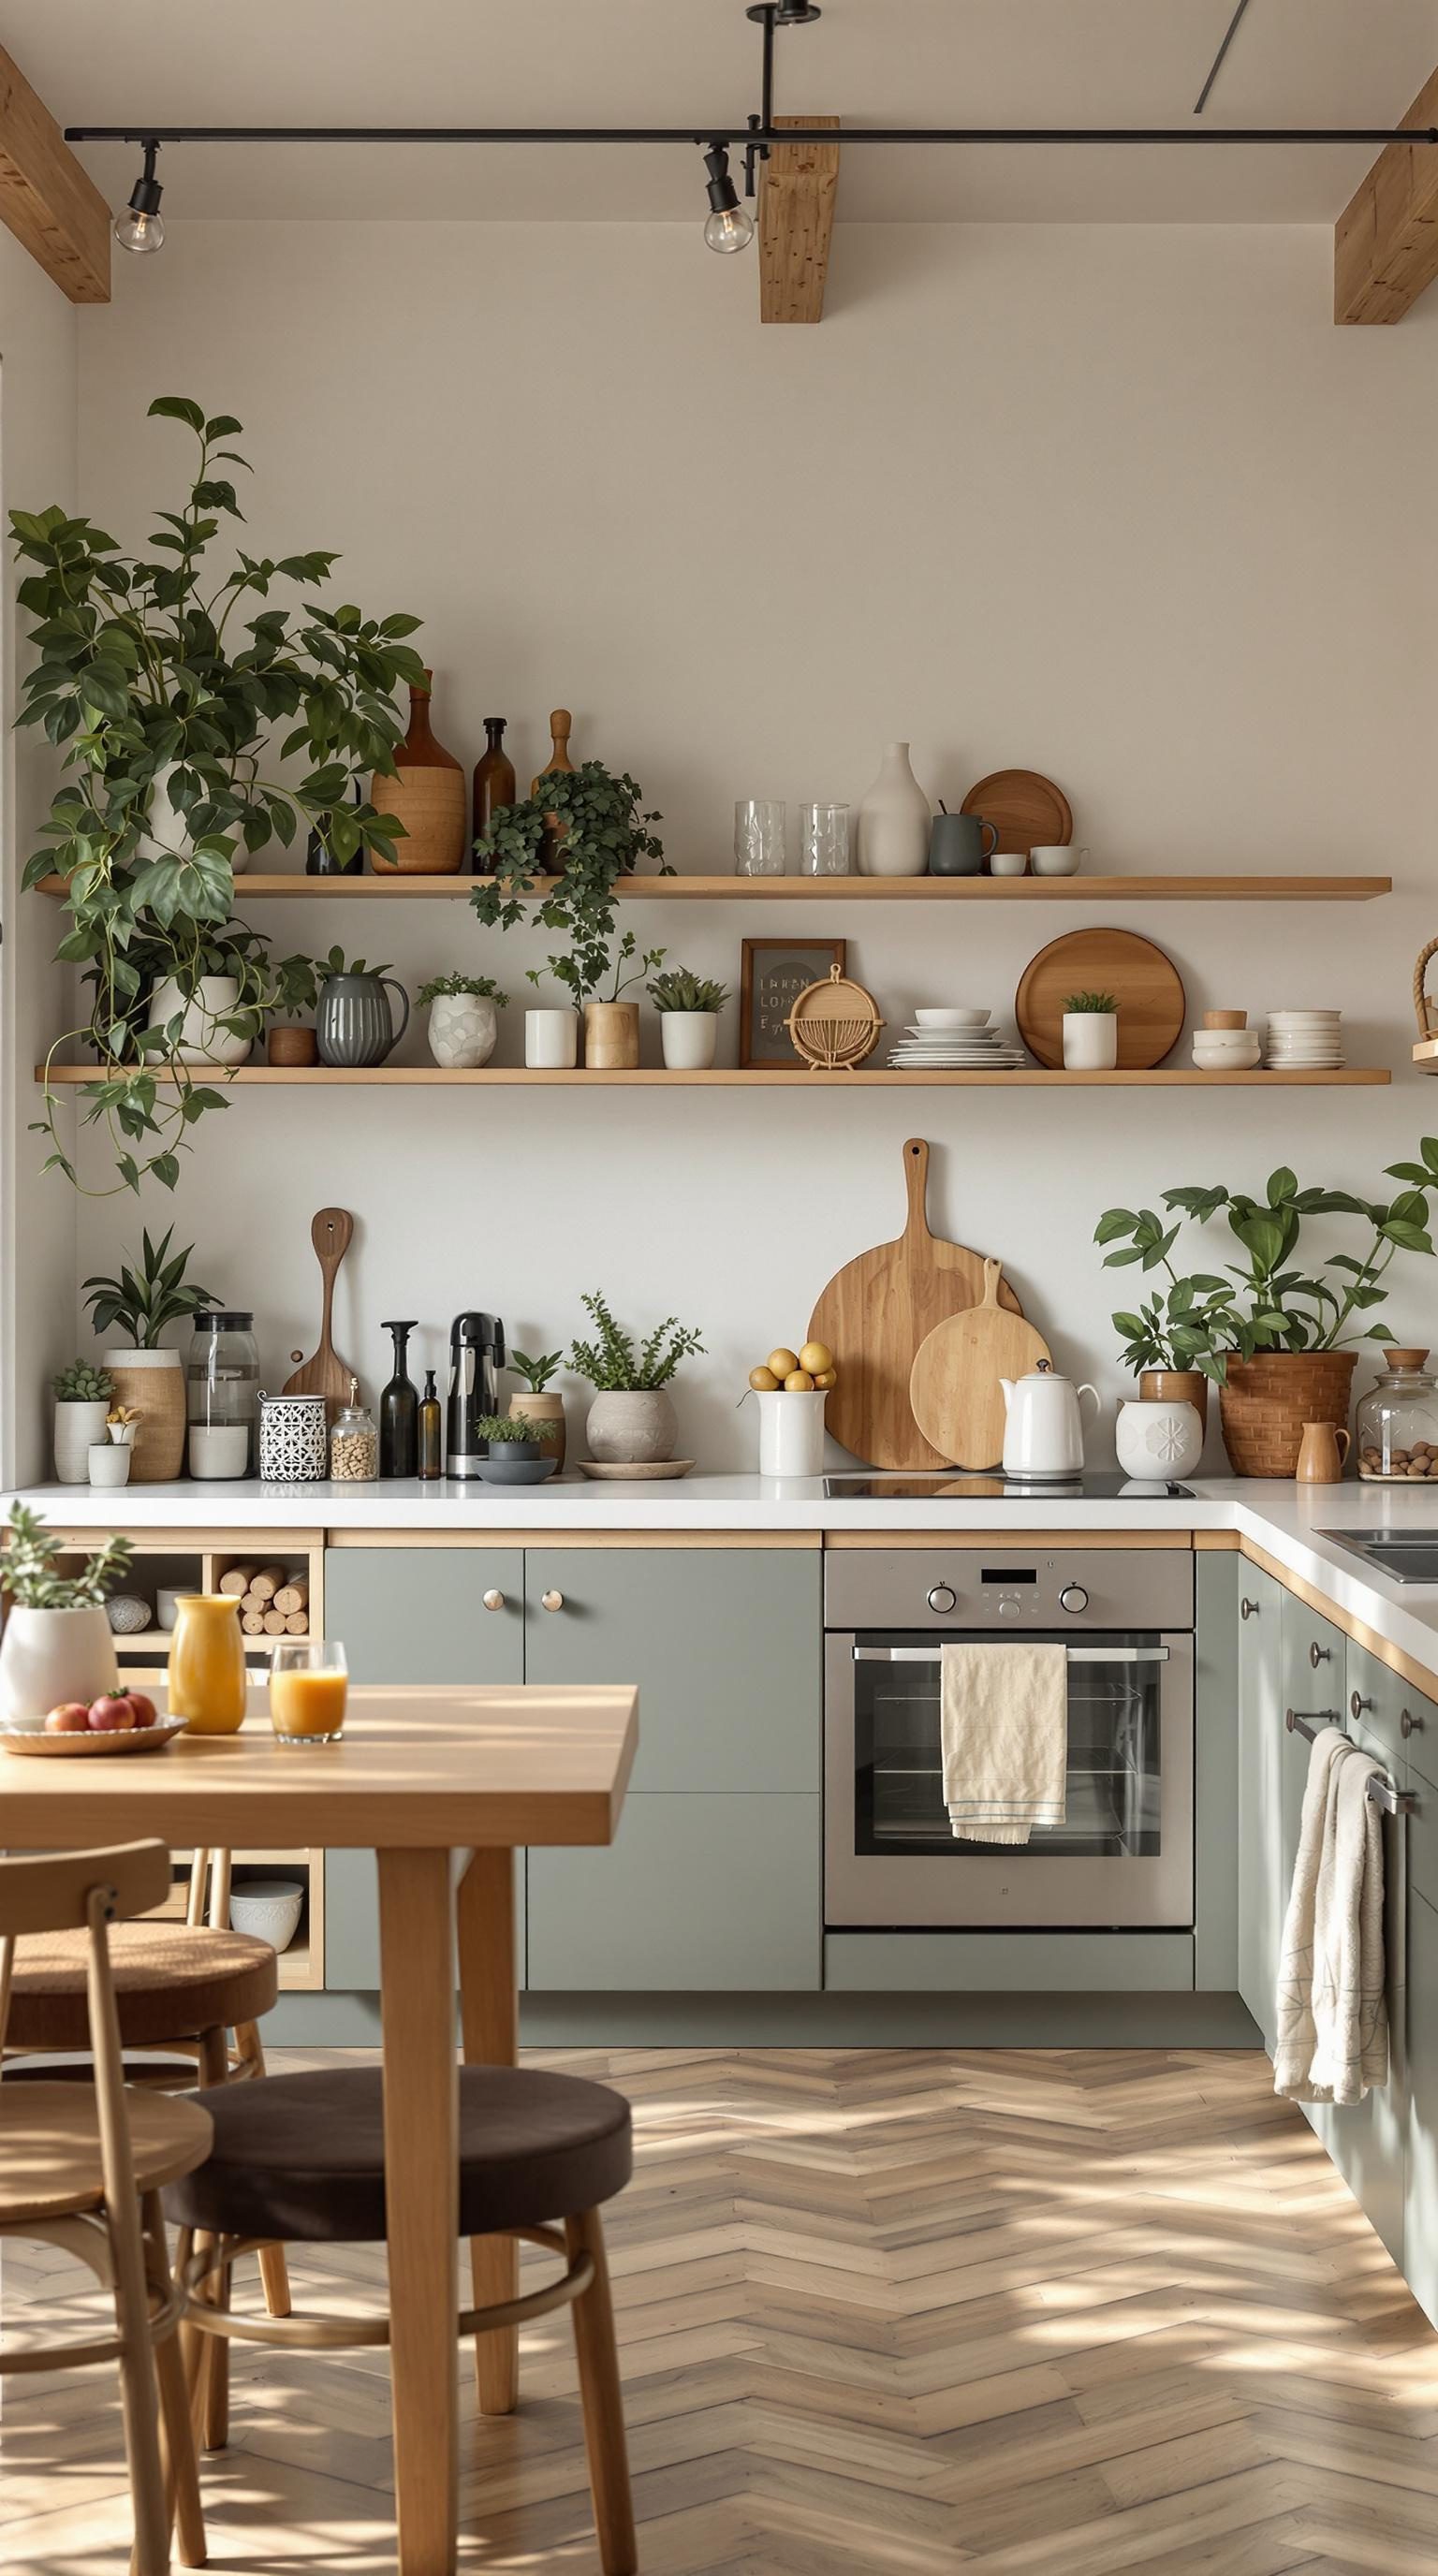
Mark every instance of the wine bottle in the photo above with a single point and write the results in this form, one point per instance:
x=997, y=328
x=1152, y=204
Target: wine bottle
x=399, y=1411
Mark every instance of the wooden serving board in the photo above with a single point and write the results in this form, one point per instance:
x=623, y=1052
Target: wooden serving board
x=954, y=1387
x=1144, y=982
x=1025, y=809
x=326, y=1374
x=874, y=1314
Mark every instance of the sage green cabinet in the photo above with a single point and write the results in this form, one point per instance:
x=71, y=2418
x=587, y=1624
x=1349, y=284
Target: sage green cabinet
x=1390, y=1711
x=1420, y=2238
x=716, y=1892
x=1262, y=1751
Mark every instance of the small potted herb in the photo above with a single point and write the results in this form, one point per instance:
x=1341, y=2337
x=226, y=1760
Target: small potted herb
x=518, y=1452
x=355, y=1025
x=632, y=1420
x=1090, y=1033
x=142, y=1302
x=82, y=1400
x=58, y=1647
x=536, y=1402
x=463, y=1023
x=689, y=1007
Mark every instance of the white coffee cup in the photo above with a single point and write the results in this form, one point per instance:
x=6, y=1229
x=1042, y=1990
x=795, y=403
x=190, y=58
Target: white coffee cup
x=1056, y=859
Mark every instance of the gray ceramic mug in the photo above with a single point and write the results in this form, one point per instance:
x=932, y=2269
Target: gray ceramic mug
x=353, y=1023
x=959, y=844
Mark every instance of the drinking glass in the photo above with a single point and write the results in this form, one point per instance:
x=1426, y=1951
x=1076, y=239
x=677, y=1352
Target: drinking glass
x=308, y=1688
x=759, y=836
x=823, y=840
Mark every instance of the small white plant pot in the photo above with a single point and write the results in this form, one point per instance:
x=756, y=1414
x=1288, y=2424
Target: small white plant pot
x=791, y=1433
x=463, y=1030
x=202, y=1040
x=632, y=1426
x=551, y=1040
x=77, y=1428
x=47, y=1656
x=1090, y=1041
x=689, y=1039
x=109, y=1462
x=1158, y=1442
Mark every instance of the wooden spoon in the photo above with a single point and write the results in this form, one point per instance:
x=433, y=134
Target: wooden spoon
x=326, y=1374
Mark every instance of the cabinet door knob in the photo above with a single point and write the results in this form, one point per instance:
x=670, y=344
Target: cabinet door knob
x=1409, y=1724
x=493, y=1600
x=1248, y=1609
x=1357, y=1704
x=1319, y=1654
x=551, y=1601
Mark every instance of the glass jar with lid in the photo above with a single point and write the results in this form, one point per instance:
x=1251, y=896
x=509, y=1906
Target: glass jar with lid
x=222, y=1383
x=1398, y=1422
x=354, y=1442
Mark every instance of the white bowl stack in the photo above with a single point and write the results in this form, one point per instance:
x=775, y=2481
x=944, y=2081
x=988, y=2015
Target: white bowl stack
x=958, y=1041
x=1304, y=1041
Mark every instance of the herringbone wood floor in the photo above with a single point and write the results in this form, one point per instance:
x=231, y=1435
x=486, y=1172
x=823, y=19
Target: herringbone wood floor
x=1039, y=2314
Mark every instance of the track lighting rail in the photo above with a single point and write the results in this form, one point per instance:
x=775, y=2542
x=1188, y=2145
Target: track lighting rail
x=708, y=133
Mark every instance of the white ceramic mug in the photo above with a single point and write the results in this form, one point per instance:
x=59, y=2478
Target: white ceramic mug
x=551, y=1040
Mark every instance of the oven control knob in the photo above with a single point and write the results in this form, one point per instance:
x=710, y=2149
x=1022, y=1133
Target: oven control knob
x=1009, y=1608
x=943, y=1599
x=1073, y=1598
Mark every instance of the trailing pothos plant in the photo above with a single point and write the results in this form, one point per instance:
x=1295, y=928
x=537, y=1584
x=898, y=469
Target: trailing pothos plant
x=603, y=836
x=1266, y=1302
x=178, y=710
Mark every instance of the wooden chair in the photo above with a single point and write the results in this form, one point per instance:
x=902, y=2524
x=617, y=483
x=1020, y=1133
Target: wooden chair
x=82, y=2166
x=301, y=2157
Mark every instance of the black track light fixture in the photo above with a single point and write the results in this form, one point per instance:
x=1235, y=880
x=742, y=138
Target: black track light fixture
x=730, y=226
x=141, y=227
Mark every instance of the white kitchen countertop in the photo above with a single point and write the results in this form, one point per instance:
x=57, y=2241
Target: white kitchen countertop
x=1288, y=1521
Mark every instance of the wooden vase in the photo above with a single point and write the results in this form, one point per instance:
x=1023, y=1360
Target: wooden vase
x=543, y=1408
x=428, y=794
x=1175, y=1386
x=611, y=1036
x=153, y=1384
x=292, y=1046
x=1265, y=1403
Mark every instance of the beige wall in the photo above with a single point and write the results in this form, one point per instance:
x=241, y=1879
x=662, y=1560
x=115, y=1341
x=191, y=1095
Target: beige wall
x=1118, y=503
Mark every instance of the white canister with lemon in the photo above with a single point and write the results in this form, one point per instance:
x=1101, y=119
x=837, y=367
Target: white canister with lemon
x=790, y=1389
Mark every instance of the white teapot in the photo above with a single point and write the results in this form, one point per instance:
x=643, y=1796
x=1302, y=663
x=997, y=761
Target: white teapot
x=1043, y=1431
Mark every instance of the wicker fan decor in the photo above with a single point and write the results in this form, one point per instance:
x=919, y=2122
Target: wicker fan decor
x=834, y=1024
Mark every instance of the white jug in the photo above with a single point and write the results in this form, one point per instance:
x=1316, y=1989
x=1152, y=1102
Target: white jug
x=1043, y=1431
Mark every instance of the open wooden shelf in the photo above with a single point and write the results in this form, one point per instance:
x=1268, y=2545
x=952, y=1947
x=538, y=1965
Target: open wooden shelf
x=732, y=889
x=740, y=1078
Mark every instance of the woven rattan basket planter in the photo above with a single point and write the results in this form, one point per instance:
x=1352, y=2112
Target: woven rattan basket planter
x=1266, y=1401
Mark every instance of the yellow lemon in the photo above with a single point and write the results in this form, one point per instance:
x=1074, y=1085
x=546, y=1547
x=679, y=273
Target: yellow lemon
x=798, y=1382
x=826, y=1377
x=816, y=1358
x=782, y=1362
x=763, y=1381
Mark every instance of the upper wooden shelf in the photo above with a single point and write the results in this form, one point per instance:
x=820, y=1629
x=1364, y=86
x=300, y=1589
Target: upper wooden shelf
x=753, y=1077
x=731, y=889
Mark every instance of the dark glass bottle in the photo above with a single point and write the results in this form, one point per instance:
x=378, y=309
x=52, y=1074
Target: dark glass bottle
x=399, y=1412
x=431, y=1439
x=493, y=778
x=320, y=860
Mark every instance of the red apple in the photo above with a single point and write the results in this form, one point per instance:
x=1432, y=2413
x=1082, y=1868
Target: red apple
x=70, y=1717
x=144, y=1708
x=109, y=1715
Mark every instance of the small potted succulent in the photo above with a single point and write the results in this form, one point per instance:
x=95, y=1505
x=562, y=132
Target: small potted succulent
x=1090, y=1033
x=689, y=1007
x=58, y=1647
x=535, y=1402
x=82, y=1400
x=145, y=1375
x=463, y=1018
x=517, y=1451
x=632, y=1421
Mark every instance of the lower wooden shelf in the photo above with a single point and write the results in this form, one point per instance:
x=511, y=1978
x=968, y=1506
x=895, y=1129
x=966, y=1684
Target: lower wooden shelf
x=746, y=1077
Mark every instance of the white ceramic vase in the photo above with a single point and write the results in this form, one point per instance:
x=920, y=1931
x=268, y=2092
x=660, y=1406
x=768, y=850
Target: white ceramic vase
x=551, y=1040
x=1090, y=1041
x=894, y=820
x=1157, y=1442
x=77, y=1428
x=631, y=1426
x=463, y=1030
x=791, y=1433
x=202, y=1040
x=688, y=1039
x=51, y=1655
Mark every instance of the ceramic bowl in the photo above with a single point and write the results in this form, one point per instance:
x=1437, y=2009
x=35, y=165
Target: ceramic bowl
x=268, y=1909
x=1009, y=863
x=517, y=1471
x=952, y=1019
x=1055, y=859
x=1225, y=1041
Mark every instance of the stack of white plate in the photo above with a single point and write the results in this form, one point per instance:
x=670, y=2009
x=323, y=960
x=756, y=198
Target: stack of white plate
x=1305, y=1041
x=955, y=1042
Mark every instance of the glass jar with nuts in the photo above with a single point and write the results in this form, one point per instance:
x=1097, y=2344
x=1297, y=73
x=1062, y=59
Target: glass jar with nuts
x=1398, y=1423
x=354, y=1442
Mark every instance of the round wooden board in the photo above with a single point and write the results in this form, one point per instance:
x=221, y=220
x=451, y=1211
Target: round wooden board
x=954, y=1384
x=1145, y=983
x=1024, y=808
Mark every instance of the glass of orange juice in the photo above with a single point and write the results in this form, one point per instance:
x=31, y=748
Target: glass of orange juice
x=309, y=1684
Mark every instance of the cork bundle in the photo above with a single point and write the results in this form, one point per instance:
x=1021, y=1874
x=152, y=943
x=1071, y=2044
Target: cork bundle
x=273, y=1602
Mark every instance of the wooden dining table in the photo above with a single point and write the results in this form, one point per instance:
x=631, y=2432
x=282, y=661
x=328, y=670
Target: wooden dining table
x=443, y=1785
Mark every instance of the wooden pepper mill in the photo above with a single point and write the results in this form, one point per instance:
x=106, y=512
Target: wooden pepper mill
x=560, y=722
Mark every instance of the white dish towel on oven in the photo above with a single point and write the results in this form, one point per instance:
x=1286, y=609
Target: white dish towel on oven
x=1332, y=2043
x=1004, y=1730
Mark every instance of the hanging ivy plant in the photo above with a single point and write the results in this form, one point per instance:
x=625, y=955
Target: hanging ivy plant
x=172, y=702
x=605, y=834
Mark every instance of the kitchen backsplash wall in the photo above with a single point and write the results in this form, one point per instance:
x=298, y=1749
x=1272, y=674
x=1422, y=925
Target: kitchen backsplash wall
x=1116, y=502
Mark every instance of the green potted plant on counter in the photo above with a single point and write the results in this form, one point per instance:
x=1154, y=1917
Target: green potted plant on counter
x=463, y=1025
x=632, y=1419
x=58, y=1648
x=82, y=1402
x=518, y=1452
x=145, y=1375
x=536, y=1402
x=689, y=1007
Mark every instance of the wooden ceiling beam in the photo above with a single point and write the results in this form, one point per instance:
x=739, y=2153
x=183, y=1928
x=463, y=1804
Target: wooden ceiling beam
x=47, y=200
x=797, y=187
x=1385, y=244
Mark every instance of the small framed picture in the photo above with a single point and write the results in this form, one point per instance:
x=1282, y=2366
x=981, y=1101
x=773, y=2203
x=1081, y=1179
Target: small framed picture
x=775, y=972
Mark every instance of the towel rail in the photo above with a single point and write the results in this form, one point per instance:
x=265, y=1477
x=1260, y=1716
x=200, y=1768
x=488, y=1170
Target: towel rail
x=1394, y=1802
x=1073, y=1654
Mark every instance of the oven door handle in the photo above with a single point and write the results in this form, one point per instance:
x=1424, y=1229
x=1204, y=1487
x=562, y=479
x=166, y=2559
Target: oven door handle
x=1072, y=1654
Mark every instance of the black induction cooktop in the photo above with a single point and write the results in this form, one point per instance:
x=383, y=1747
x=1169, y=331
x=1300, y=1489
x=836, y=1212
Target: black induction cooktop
x=958, y=1485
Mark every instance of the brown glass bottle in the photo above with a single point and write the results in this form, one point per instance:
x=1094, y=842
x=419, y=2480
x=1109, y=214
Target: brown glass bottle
x=431, y=1453
x=493, y=777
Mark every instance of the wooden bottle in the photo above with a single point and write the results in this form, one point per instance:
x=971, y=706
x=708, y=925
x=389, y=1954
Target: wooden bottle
x=428, y=794
x=554, y=831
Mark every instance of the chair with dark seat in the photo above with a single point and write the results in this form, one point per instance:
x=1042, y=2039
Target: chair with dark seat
x=301, y=2157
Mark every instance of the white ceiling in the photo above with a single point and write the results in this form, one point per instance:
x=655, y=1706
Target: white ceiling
x=971, y=62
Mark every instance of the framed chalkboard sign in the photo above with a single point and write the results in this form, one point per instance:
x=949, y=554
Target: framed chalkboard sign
x=775, y=972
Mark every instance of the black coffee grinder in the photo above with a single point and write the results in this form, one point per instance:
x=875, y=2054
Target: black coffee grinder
x=476, y=1355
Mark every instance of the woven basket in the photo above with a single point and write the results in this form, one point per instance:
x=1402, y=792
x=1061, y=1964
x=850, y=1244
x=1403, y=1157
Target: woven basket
x=834, y=1024
x=1265, y=1402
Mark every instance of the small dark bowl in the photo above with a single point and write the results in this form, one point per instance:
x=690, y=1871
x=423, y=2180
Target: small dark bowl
x=524, y=1470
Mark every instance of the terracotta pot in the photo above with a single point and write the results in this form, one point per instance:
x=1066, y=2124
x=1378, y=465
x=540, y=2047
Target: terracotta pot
x=1266, y=1402
x=292, y=1046
x=543, y=1408
x=1175, y=1386
x=611, y=1036
x=429, y=795
x=154, y=1383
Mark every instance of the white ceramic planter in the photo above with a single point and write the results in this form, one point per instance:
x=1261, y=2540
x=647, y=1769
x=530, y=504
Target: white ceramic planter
x=894, y=820
x=202, y=1040
x=463, y=1030
x=1090, y=1041
x=629, y=1427
x=51, y=1655
x=109, y=1463
x=688, y=1039
x=1158, y=1441
x=791, y=1433
x=77, y=1428
x=551, y=1040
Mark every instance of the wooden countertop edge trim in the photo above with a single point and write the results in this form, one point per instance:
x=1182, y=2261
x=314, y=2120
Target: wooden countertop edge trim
x=534, y=1538
x=1001, y=1537
x=1422, y=1677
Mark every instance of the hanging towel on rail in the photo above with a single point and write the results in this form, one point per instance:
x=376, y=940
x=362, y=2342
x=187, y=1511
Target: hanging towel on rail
x=1332, y=2043
x=1004, y=1727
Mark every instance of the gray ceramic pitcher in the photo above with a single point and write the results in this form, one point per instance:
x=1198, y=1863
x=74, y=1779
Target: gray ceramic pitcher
x=353, y=1023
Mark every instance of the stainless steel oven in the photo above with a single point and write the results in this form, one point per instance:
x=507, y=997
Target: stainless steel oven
x=1124, y=1854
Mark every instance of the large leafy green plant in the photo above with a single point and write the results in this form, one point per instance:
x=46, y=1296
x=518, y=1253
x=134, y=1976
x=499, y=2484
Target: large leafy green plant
x=144, y=1300
x=178, y=710
x=604, y=837
x=612, y=1362
x=1265, y=1302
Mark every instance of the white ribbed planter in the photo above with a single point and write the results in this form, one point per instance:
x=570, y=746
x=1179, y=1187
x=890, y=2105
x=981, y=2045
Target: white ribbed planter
x=77, y=1427
x=51, y=1655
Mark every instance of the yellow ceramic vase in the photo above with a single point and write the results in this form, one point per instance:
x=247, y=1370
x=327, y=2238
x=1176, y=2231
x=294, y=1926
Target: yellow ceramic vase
x=207, y=1664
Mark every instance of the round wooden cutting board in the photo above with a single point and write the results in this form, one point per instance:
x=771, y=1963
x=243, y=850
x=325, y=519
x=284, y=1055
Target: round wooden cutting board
x=1024, y=809
x=1145, y=983
x=954, y=1384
